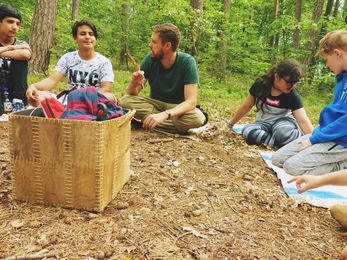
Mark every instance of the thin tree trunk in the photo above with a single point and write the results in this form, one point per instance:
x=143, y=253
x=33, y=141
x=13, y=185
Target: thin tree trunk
x=344, y=12
x=223, y=46
x=41, y=34
x=75, y=7
x=125, y=34
x=336, y=8
x=312, y=33
x=195, y=24
x=274, y=39
x=296, y=36
x=329, y=8
x=327, y=14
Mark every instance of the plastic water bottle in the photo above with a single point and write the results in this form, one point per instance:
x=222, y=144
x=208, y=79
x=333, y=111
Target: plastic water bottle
x=7, y=102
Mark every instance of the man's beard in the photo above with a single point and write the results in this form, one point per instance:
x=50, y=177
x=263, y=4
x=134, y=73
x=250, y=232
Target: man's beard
x=158, y=56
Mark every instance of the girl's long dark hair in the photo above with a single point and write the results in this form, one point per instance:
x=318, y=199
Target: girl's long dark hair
x=287, y=68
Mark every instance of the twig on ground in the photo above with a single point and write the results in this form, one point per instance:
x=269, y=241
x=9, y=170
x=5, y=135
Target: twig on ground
x=137, y=246
x=160, y=140
x=210, y=202
x=166, y=226
x=226, y=201
x=182, y=235
x=38, y=256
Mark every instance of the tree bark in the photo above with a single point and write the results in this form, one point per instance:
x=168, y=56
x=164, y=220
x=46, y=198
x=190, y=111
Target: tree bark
x=223, y=46
x=296, y=36
x=329, y=8
x=274, y=39
x=125, y=10
x=41, y=35
x=312, y=42
x=75, y=7
x=327, y=14
x=194, y=29
x=336, y=8
x=344, y=13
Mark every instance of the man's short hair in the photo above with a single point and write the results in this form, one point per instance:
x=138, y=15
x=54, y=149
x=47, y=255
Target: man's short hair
x=81, y=23
x=9, y=11
x=168, y=33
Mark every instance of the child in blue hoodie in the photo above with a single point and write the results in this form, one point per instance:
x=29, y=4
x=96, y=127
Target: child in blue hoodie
x=325, y=150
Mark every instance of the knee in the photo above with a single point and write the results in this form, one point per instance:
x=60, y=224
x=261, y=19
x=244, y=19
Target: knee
x=255, y=136
x=285, y=136
x=292, y=168
x=125, y=102
x=189, y=121
x=277, y=159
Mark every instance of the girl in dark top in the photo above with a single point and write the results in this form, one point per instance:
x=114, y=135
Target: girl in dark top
x=280, y=117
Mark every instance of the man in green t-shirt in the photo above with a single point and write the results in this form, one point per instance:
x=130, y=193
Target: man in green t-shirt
x=173, y=80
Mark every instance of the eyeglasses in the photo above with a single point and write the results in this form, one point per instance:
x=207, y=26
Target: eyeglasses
x=289, y=83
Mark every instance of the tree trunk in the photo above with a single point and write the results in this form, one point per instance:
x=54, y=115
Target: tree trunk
x=195, y=25
x=296, y=36
x=41, y=34
x=312, y=33
x=329, y=8
x=344, y=12
x=327, y=13
x=223, y=46
x=125, y=34
x=274, y=39
x=75, y=7
x=336, y=8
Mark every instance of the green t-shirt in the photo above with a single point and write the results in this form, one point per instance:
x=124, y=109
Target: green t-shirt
x=167, y=85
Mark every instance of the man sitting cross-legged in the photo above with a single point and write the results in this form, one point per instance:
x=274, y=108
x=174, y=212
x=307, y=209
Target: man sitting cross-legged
x=173, y=80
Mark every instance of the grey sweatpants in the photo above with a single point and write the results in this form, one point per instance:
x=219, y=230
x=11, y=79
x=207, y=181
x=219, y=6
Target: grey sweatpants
x=317, y=159
x=145, y=106
x=277, y=133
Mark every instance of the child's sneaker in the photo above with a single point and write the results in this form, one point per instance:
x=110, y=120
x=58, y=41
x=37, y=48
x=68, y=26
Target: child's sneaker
x=17, y=105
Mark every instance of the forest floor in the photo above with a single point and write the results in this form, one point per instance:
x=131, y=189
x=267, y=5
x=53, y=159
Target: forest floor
x=208, y=199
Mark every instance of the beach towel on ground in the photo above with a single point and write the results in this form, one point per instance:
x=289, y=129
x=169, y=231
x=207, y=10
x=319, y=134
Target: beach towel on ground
x=325, y=196
x=82, y=105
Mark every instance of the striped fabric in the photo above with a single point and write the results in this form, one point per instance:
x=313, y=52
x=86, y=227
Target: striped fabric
x=82, y=105
x=278, y=133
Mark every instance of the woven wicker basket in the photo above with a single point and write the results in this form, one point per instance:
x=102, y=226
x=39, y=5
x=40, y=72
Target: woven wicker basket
x=69, y=163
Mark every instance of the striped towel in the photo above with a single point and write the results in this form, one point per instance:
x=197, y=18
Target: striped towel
x=82, y=105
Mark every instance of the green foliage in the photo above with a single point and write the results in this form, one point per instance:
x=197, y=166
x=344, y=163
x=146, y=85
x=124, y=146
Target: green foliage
x=245, y=33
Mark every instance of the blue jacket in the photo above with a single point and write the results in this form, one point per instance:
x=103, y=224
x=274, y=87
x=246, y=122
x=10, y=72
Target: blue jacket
x=333, y=117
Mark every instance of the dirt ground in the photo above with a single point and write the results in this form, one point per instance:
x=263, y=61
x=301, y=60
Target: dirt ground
x=208, y=199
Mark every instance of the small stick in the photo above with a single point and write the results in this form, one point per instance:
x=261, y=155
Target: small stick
x=22, y=257
x=226, y=201
x=210, y=203
x=182, y=235
x=162, y=140
x=165, y=225
x=132, y=61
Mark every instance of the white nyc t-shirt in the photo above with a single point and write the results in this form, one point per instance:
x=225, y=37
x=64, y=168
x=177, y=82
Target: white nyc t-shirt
x=82, y=73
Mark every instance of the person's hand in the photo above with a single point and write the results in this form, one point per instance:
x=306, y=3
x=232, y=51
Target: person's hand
x=137, y=78
x=33, y=95
x=305, y=182
x=153, y=120
x=304, y=144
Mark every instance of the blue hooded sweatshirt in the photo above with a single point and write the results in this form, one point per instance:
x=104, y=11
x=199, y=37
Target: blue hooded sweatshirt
x=333, y=118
